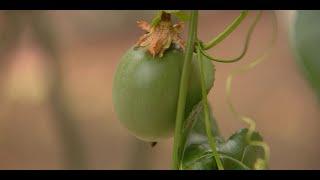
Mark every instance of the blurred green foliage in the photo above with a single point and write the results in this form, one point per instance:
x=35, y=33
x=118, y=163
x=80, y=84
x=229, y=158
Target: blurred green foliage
x=306, y=43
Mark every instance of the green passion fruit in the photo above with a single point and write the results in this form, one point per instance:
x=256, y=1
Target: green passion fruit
x=146, y=88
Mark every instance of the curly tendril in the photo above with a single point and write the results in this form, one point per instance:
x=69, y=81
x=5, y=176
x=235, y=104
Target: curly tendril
x=226, y=32
x=245, y=48
x=251, y=123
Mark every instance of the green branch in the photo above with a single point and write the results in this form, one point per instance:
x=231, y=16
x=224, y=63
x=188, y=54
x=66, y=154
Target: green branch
x=193, y=23
x=211, y=139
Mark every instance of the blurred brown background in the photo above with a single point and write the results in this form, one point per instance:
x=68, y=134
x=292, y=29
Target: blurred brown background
x=56, y=102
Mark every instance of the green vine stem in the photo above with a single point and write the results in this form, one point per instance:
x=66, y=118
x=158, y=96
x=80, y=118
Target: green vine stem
x=246, y=119
x=208, y=123
x=193, y=23
x=226, y=32
x=245, y=48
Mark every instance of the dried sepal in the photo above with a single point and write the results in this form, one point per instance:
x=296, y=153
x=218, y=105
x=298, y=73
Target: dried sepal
x=144, y=25
x=160, y=37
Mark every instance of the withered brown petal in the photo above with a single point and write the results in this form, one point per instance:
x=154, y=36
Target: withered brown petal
x=144, y=25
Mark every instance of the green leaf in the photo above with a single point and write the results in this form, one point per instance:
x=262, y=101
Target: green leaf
x=198, y=157
x=305, y=41
x=202, y=159
x=238, y=148
x=199, y=123
x=195, y=94
x=235, y=153
x=195, y=140
x=230, y=163
x=194, y=129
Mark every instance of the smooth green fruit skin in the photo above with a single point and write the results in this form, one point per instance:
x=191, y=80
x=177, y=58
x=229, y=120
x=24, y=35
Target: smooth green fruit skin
x=145, y=91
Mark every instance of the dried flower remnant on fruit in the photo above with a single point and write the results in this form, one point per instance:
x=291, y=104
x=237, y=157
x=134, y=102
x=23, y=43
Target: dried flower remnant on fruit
x=160, y=37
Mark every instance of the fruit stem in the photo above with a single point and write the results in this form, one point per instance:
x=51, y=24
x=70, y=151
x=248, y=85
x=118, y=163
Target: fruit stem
x=208, y=123
x=193, y=23
x=227, y=31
